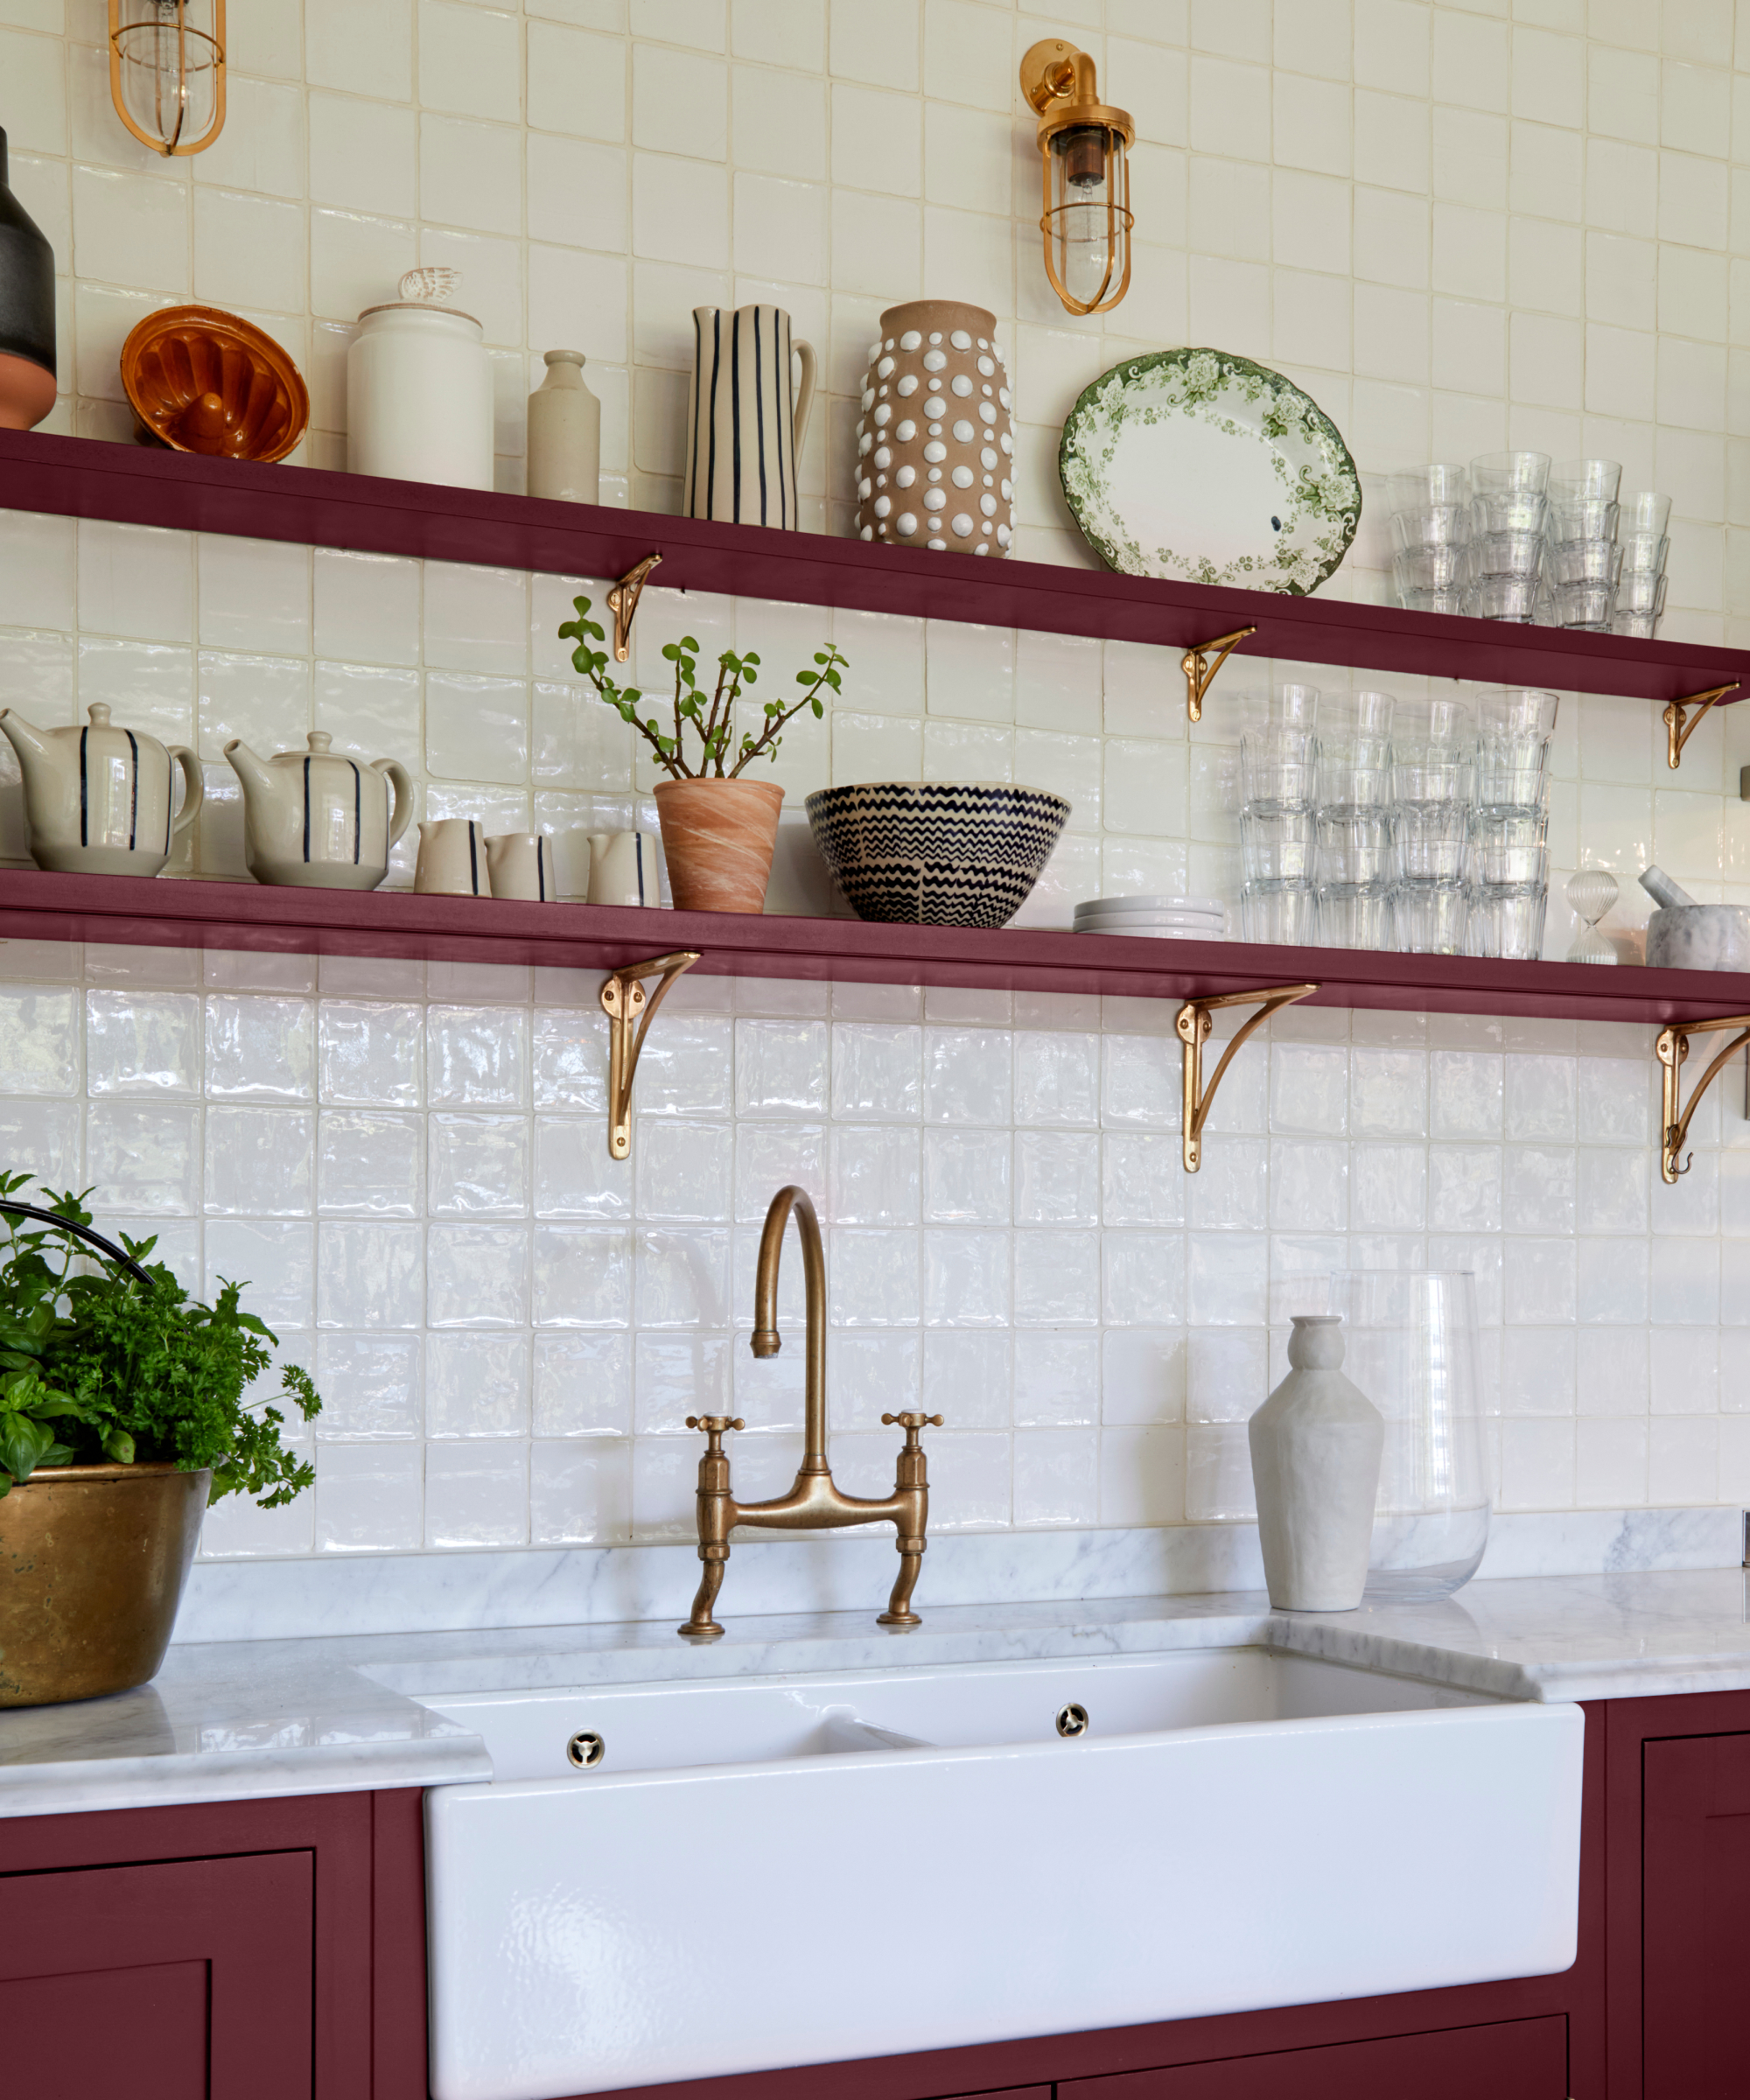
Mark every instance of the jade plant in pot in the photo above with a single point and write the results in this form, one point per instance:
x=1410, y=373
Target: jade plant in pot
x=718, y=829
x=123, y=1411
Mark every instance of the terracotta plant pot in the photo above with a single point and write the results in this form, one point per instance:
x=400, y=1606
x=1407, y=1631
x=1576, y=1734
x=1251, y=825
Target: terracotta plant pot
x=718, y=836
x=93, y=1560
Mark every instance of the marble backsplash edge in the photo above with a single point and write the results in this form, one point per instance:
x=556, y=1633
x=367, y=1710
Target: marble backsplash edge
x=429, y=1593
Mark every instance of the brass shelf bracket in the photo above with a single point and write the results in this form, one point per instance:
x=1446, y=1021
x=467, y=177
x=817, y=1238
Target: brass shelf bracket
x=1200, y=672
x=1678, y=731
x=1193, y=1026
x=1673, y=1048
x=623, y=1001
x=622, y=602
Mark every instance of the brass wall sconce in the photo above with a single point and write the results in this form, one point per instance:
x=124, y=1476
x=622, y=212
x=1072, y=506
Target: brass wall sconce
x=167, y=71
x=1086, y=217
x=1673, y=1048
x=1192, y=1025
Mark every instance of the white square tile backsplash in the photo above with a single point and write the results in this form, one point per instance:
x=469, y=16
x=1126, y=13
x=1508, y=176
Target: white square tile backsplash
x=1456, y=230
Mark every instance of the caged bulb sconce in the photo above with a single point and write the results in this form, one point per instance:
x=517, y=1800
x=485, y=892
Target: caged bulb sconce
x=167, y=71
x=1083, y=143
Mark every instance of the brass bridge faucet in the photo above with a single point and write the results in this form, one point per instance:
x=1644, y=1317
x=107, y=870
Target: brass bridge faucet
x=813, y=1504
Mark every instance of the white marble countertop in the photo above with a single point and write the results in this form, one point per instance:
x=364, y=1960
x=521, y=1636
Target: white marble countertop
x=225, y=1720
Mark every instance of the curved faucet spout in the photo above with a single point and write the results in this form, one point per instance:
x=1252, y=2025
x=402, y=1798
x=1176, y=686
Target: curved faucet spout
x=813, y=1502
x=766, y=1340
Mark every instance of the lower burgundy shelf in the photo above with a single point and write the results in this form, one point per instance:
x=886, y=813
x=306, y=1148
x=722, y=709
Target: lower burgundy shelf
x=119, y=909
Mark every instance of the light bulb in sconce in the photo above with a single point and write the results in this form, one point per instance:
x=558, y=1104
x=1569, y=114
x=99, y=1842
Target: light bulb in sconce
x=1086, y=217
x=1591, y=893
x=167, y=71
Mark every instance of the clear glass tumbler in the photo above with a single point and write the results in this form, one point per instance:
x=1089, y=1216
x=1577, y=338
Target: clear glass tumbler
x=1437, y=488
x=1285, y=913
x=1506, y=921
x=1278, y=845
x=1429, y=918
x=1584, y=481
x=1279, y=759
x=1411, y=1345
x=1514, y=724
x=1511, y=491
x=1513, y=598
x=1646, y=512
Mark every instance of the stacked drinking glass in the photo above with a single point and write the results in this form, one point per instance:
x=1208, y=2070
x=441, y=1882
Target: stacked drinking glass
x=1430, y=533
x=1581, y=558
x=1509, y=508
x=1506, y=538
x=1509, y=858
x=1352, y=828
x=1433, y=783
x=1279, y=785
x=1641, y=586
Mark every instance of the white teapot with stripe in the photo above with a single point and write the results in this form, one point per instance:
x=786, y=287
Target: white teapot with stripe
x=318, y=820
x=99, y=799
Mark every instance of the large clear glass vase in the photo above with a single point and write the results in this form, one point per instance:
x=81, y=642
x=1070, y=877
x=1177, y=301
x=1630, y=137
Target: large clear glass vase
x=1411, y=1347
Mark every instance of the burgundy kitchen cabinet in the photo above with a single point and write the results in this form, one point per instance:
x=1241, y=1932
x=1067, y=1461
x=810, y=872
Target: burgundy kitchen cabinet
x=164, y=1981
x=1509, y=2060
x=1683, y=1987
x=238, y=1950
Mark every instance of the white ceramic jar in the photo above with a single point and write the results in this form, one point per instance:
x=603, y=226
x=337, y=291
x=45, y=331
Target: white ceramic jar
x=419, y=390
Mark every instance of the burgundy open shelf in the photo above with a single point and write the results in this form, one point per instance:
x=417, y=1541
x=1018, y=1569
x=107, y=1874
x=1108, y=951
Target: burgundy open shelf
x=87, y=477
x=40, y=907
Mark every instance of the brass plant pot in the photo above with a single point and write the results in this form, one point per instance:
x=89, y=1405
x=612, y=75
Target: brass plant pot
x=93, y=1560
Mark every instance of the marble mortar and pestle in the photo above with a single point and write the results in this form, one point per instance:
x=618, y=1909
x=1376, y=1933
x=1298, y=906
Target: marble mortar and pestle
x=1683, y=934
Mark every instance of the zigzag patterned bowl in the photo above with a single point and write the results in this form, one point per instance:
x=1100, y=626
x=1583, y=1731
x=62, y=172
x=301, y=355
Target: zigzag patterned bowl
x=937, y=852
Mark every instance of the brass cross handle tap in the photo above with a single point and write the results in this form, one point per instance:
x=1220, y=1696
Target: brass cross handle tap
x=912, y=1424
x=714, y=1425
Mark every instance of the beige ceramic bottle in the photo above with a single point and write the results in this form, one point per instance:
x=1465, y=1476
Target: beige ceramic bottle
x=564, y=433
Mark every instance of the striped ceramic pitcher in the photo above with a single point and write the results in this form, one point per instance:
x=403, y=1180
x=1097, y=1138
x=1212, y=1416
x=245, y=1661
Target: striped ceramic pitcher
x=742, y=432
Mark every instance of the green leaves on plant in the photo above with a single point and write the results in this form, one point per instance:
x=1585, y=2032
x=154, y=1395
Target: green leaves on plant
x=710, y=715
x=128, y=1370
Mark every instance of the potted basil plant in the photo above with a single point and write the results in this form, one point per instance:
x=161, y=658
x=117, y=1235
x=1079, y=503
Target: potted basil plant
x=123, y=1414
x=718, y=829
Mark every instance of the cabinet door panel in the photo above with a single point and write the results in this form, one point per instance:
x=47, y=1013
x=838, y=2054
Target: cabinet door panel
x=142, y=2032
x=193, y=1977
x=1695, y=1926
x=1515, y=2059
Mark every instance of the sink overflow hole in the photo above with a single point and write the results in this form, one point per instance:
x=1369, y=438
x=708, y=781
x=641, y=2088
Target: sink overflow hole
x=1072, y=1721
x=586, y=1748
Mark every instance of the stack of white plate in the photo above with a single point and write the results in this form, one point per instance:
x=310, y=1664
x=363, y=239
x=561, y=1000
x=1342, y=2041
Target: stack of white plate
x=1153, y=918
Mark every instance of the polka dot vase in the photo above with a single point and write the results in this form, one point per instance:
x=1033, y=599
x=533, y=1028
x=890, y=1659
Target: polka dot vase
x=936, y=442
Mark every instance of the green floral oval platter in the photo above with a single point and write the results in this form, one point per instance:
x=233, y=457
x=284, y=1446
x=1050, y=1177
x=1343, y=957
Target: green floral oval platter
x=1202, y=466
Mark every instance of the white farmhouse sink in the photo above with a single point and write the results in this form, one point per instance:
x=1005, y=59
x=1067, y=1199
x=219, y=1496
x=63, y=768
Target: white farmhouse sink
x=780, y=1870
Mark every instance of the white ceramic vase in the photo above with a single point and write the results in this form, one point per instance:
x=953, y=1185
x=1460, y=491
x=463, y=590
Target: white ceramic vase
x=1316, y=1448
x=564, y=433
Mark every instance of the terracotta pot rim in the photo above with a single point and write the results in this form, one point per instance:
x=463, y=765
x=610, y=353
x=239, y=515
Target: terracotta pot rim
x=711, y=781
x=152, y=1469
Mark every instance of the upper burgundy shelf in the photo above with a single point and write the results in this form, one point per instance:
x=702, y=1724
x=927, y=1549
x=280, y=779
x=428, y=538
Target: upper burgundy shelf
x=37, y=906
x=83, y=477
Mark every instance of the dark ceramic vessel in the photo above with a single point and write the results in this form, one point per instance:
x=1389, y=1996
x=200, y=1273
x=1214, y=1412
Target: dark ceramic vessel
x=27, y=315
x=937, y=852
